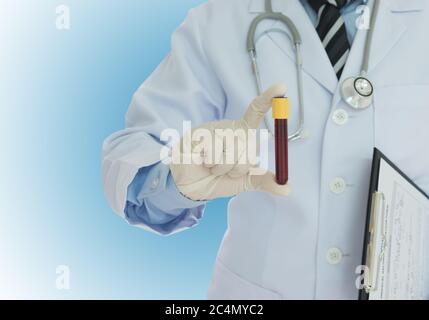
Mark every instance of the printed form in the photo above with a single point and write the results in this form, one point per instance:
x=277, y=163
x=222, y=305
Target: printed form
x=402, y=243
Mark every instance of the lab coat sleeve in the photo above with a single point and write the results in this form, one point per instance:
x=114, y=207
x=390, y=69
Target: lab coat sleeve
x=154, y=201
x=182, y=88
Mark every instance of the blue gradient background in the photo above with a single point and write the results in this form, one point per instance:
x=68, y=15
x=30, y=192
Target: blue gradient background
x=61, y=94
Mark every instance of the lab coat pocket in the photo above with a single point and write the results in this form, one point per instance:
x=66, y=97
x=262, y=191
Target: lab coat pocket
x=402, y=129
x=227, y=285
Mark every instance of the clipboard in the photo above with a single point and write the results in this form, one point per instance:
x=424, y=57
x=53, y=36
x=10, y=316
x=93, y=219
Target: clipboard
x=378, y=243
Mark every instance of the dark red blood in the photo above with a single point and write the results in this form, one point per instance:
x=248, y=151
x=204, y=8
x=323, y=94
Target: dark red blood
x=281, y=146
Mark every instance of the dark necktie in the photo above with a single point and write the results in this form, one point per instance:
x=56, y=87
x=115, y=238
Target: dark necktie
x=332, y=31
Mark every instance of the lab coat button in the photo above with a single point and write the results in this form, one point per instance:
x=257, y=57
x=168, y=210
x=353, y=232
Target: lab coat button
x=334, y=256
x=338, y=185
x=340, y=117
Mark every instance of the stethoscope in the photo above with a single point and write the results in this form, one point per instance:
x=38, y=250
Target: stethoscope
x=357, y=92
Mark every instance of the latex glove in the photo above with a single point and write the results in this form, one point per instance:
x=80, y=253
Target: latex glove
x=208, y=179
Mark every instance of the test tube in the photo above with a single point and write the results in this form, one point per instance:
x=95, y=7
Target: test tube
x=280, y=107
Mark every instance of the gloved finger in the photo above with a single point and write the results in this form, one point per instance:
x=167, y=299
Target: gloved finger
x=221, y=169
x=241, y=162
x=212, y=187
x=215, y=154
x=211, y=158
x=225, y=186
x=242, y=167
x=261, y=105
x=267, y=183
x=236, y=165
x=239, y=170
x=230, y=154
x=188, y=173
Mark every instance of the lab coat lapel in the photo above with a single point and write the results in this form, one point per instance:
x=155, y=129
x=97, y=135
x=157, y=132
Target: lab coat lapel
x=315, y=60
x=388, y=31
x=390, y=27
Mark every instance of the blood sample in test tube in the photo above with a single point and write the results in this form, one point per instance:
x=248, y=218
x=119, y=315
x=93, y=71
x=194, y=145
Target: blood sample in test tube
x=280, y=108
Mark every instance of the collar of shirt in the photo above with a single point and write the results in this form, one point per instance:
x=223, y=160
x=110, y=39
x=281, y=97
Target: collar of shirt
x=350, y=13
x=347, y=8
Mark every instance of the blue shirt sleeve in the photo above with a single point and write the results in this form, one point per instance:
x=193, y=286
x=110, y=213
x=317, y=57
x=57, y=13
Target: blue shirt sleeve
x=155, y=203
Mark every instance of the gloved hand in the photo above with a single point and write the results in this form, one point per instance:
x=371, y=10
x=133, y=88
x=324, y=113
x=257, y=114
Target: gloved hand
x=207, y=178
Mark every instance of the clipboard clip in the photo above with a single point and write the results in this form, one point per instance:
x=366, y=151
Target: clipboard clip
x=378, y=211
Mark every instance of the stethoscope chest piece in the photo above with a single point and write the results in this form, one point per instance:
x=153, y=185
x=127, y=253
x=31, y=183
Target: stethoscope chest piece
x=358, y=93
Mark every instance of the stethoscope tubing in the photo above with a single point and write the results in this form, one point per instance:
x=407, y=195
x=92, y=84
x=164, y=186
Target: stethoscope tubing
x=296, y=37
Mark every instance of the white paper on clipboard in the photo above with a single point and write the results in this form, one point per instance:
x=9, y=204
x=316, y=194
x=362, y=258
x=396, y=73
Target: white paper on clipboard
x=401, y=241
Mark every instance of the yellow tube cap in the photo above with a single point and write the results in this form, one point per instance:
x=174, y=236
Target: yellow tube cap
x=280, y=108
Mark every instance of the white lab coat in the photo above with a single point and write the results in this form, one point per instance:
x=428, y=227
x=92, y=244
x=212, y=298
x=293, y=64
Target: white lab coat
x=309, y=244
